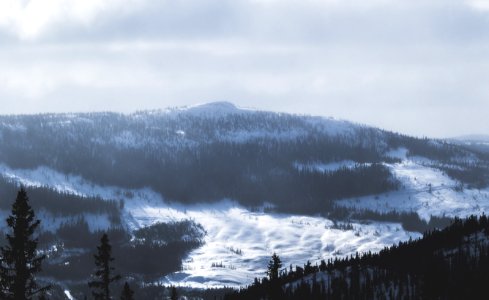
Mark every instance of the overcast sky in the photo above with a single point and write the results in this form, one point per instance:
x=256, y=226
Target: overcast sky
x=420, y=67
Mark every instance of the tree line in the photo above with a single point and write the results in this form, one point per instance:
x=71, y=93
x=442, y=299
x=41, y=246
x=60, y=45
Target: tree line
x=61, y=203
x=21, y=262
x=452, y=263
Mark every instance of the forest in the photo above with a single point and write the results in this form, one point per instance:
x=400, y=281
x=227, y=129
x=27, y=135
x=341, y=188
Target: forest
x=247, y=157
x=251, y=158
x=451, y=263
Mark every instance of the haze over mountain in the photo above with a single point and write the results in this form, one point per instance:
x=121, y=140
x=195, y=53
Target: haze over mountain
x=417, y=67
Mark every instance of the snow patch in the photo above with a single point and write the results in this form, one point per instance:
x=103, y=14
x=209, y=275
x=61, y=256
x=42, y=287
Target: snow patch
x=14, y=127
x=427, y=191
x=327, y=167
x=68, y=295
x=400, y=153
x=211, y=109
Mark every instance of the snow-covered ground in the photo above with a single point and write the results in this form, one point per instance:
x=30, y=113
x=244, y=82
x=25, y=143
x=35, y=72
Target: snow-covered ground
x=239, y=242
x=427, y=191
x=327, y=167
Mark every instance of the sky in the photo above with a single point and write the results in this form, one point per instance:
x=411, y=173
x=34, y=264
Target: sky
x=420, y=67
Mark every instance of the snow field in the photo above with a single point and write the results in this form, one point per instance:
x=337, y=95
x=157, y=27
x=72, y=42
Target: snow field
x=427, y=191
x=239, y=242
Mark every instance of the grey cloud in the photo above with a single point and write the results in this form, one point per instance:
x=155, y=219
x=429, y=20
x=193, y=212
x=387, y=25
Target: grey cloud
x=419, y=67
x=286, y=21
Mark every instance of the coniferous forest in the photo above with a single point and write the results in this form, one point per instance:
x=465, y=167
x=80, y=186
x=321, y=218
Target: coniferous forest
x=452, y=263
x=248, y=157
x=272, y=164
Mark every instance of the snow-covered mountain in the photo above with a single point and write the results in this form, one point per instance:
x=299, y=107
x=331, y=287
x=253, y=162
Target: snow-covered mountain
x=309, y=188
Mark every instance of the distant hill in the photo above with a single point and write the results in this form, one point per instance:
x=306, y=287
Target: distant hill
x=474, y=142
x=232, y=184
x=216, y=151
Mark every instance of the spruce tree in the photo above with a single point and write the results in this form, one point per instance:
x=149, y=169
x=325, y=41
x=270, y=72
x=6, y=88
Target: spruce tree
x=127, y=293
x=103, y=277
x=174, y=293
x=19, y=260
x=274, y=288
x=274, y=266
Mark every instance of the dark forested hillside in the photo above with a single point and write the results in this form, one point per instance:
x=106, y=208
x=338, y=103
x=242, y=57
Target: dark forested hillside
x=60, y=204
x=452, y=263
x=224, y=152
x=105, y=172
x=157, y=251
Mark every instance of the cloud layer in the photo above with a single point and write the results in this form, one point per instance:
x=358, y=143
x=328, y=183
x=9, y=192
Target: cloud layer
x=419, y=67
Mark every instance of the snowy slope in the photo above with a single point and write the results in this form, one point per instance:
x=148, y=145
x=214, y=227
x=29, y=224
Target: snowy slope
x=241, y=240
x=427, y=191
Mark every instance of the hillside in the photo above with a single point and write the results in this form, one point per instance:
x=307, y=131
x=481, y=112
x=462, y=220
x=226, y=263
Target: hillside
x=476, y=142
x=248, y=182
x=225, y=152
x=449, y=264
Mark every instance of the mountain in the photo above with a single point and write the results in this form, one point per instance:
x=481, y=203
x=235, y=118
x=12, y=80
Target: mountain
x=221, y=152
x=222, y=187
x=476, y=142
x=480, y=138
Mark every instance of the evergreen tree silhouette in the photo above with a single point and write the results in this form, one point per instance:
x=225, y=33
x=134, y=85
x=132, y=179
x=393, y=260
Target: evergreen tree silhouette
x=127, y=293
x=103, y=275
x=274, y=266
x=19, y=260
x=174, y=293
x=275, y=289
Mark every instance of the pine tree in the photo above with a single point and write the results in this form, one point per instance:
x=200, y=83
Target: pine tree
x=103, y=275
x=19, y=260
x=127, y=293
x=174, y=293
x=274, y=288
x=274, y=266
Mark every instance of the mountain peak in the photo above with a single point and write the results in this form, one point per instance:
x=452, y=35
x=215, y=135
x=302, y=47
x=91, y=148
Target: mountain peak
x=216, y=105
x=212, y=108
